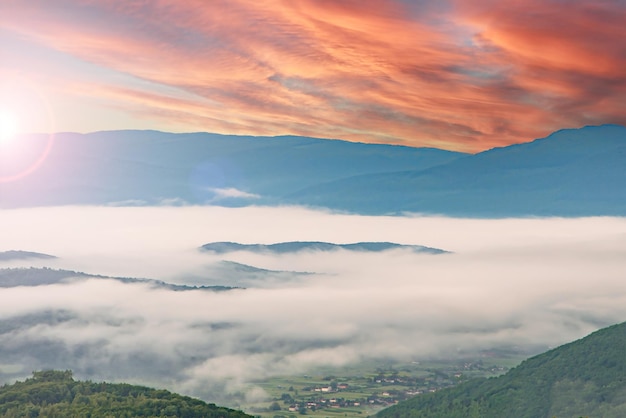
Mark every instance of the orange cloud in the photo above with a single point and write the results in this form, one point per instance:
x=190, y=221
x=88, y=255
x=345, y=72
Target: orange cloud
x=569, y=56
x=466, y=75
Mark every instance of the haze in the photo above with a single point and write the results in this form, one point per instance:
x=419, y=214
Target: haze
x=529, y=283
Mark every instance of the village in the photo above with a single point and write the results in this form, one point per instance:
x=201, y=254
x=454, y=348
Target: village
x=362, y=395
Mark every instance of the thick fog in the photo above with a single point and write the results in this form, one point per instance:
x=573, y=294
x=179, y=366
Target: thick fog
x=528, y=283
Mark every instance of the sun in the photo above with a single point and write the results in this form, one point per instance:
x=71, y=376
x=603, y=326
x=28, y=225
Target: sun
x=8, y=126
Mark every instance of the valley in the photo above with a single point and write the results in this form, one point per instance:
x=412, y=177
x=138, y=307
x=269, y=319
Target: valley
x=362, y=390
x=253, y=303
x=312, y=208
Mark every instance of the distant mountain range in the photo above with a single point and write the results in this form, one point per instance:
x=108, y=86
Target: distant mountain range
x=298, y=246
x=572, y=172
x=584, y=378
x=149, y=167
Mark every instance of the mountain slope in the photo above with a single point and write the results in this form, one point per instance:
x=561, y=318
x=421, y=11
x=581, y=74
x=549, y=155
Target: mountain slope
x=56, y=394
x=583, y=378
x=572, y=172
x=149, y=167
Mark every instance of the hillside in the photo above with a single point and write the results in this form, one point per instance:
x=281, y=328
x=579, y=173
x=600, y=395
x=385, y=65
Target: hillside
x=33, y=276
x=583, y=378
x=297, y=246
x=57, y=394
x=12, y=255
x=573, y=172
x=231, y=274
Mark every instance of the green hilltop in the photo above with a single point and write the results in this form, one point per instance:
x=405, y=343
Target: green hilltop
x=54, y=393
x=583, y=378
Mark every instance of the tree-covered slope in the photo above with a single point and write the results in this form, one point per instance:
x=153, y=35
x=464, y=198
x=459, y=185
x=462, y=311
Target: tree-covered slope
x=583, y=378
x=56, y=394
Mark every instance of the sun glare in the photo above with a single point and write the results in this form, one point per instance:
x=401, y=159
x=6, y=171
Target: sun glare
x=8, y=126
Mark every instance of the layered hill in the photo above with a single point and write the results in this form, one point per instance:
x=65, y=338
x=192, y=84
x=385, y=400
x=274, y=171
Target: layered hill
x=584, y=378
x=573, y=172
x=56, y=394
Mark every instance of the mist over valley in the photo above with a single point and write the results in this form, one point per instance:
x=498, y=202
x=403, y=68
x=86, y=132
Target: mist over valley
x=322, y=208
x=523, y=283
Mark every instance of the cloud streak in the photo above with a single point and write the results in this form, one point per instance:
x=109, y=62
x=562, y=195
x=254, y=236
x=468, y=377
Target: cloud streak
x=462, y=75
x=525, y=282
x=231, y=193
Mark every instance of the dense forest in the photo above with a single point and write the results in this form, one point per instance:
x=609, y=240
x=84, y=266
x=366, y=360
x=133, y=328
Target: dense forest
x=55, y=394
x=583, y=378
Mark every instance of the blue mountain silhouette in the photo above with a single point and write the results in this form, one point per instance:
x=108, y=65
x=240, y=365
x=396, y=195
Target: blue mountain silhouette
x=573, y=172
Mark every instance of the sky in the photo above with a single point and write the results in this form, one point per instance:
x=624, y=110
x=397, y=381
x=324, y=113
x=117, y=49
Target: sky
x=465, y=75
x=524, y=283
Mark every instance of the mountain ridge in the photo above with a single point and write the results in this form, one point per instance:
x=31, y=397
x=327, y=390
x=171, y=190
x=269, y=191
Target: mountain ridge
x=571, y=172
x=517, y=180
x=297, y=246
x=34, y=276
x=151, y=167
x=11, y=255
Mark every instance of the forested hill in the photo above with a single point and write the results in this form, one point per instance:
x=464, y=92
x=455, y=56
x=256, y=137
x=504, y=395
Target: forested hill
x=57, y=394
x=583, y=378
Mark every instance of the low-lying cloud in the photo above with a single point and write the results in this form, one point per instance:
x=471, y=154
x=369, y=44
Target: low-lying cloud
x=529, y=283
x=231, y=193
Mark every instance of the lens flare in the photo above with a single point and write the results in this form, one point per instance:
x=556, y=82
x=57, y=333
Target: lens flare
x=23, y=106
x=8, y=126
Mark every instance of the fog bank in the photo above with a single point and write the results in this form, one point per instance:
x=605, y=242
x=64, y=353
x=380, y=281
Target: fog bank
x=508, y=282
